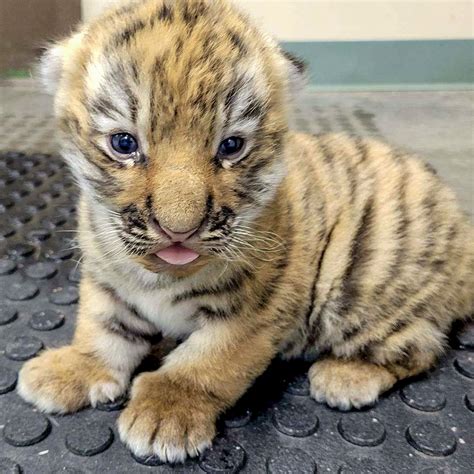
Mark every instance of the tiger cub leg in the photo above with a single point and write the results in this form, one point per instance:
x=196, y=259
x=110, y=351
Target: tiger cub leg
x=97, y=366
x=348, y=383
x=172, y=412
x=355, y=382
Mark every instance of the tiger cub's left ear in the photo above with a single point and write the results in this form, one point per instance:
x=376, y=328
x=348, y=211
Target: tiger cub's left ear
x=297, y=71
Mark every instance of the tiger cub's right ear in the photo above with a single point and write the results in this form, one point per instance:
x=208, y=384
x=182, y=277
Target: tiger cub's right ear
x=50, y=67
x=51, y=64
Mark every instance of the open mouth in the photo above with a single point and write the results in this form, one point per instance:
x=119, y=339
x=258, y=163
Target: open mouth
x=177, y=254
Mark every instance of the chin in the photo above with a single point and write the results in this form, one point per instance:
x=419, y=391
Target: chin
x=154, y=264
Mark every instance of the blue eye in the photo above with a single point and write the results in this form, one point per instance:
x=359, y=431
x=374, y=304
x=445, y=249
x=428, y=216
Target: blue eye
x=124, y=143
x=230, y=146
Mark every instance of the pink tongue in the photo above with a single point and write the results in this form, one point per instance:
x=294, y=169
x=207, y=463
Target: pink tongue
x=177, y=255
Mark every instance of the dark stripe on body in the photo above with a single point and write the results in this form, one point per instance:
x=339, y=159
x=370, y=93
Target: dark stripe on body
x=218, y=313
x=401, y=232
x=280, y=265
x=113, y=294
x=117, y=327
x=362, y=150
x=410, y=294
x=312, y=324
x=233, y=284
x=360, y=252
x=326, y=153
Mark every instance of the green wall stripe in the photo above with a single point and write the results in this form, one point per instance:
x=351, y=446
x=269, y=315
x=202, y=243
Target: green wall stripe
x=381, y=65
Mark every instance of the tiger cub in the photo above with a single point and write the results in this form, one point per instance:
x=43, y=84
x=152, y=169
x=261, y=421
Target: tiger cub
x=202, y=217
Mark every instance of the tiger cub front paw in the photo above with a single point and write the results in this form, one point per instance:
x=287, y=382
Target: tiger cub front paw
x=64, y=380
x=167, y=420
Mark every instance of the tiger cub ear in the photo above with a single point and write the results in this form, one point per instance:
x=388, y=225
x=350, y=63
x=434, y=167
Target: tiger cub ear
x=297, y=71
x=50, y=67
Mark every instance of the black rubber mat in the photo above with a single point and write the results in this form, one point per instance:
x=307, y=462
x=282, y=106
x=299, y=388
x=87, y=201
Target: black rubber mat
x=425, y=426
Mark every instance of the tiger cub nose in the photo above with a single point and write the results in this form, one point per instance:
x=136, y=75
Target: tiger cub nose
x=174, y=236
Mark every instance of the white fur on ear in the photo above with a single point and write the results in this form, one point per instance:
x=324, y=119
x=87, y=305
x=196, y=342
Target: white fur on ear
x=51, y=65
x=297, y=71
x=50, y=68
x=293, y=68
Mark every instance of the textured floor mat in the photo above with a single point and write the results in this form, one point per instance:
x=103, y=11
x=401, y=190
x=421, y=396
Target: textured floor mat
x=424, y=426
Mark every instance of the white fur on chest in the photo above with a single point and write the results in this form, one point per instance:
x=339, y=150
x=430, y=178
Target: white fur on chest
x=152, y=295
x=157, y=306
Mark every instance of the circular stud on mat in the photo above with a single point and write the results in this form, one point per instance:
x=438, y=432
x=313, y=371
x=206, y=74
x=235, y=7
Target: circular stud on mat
x=291, y=418
x=74, y=275
x=237, y=416
x=89, y=439
x=361, y=429
x=8, y=379
x=225, y=456
x=26, y=429
x=465, y=337
x=46, y=320
x=424, y=396
x=38, y=235
x=21, y=291
x=464, y=364
x=20, y=250
x=41, y=270
x=469, y=400
x=7, y=231
x=7, y=266
x=7, y=315
x=431, y=438
x=64, y=295
x=23, y=348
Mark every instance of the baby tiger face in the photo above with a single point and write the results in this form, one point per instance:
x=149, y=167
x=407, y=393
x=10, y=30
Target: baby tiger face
x=173, y=118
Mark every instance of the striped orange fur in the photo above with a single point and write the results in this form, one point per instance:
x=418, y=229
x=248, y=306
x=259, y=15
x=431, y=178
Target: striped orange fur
x=327, y=246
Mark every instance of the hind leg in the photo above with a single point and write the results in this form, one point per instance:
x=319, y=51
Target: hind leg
x=355, y=382
x=348, y=383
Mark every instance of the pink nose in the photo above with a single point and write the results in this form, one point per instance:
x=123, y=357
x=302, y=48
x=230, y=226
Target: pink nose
x=174, y=236
x=178, y=236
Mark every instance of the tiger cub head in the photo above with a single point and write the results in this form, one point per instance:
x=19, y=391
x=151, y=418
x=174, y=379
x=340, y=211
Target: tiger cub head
x=173, y=117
